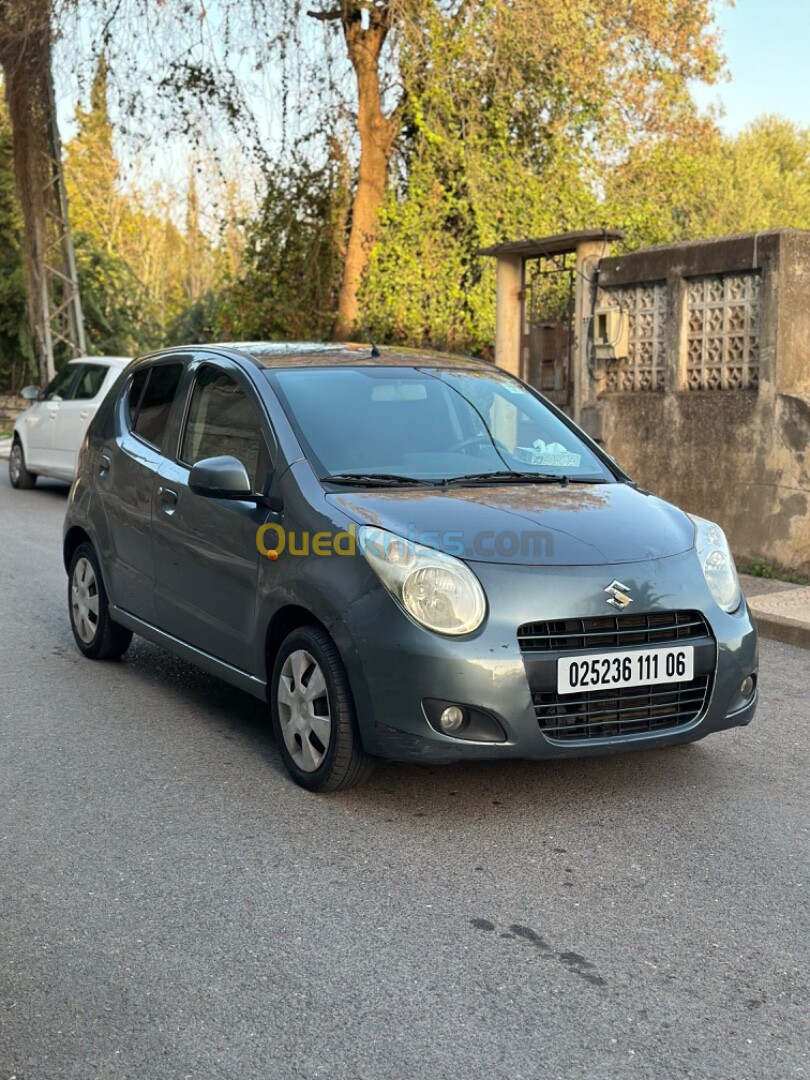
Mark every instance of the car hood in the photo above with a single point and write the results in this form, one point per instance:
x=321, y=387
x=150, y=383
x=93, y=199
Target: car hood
x=575, y=525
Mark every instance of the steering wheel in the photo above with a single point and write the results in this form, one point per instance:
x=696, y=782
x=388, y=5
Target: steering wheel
x=477, y=440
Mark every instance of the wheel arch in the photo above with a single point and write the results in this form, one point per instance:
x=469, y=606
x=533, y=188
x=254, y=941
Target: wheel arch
x=73, y=537
x=284, y=621
x=294, y=615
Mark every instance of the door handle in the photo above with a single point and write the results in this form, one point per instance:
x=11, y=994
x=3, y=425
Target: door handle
x=105, y=463
x=84, y=415
x=168, y=499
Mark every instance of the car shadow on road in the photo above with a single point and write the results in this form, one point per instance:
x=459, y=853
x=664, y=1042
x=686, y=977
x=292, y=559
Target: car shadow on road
x=593, y=781
x=593, y=784
x=44, y=489
x=210, y=700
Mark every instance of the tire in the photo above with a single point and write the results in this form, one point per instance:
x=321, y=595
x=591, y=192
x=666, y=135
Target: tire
x=314, y=721
x=97, y=636
x=18, y=473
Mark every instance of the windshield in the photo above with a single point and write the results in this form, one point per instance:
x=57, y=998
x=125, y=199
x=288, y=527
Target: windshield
x=428, y=424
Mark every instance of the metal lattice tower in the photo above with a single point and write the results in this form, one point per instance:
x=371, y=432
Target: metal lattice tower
x=61, y=303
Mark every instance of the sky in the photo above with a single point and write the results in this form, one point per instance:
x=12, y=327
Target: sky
x=767, y=46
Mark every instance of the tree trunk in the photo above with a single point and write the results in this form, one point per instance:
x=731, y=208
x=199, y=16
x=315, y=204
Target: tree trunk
x=377, y=135
x=54, y=309
x=24, y=54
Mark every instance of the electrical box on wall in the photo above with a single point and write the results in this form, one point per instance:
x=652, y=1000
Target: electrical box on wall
x=611, y=334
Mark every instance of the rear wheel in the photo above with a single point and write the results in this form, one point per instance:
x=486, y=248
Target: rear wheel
x=313, y=714
x=18, y=473
x=98, y=637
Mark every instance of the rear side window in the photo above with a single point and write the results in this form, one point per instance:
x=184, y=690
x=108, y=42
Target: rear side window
x=59, y=388
x=90, y=381
x=151, y=395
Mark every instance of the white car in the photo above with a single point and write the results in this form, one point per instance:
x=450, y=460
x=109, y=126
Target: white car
x=48, y=435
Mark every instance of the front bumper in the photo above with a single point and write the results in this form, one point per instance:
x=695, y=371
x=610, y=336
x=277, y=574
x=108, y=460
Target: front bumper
x=394, y=665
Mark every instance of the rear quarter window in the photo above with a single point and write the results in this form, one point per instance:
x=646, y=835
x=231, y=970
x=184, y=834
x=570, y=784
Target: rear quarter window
x=151, y=395
x=90, y=381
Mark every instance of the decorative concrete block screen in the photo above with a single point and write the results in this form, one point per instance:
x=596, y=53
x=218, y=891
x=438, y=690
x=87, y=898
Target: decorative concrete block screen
x=645, y=308
x=723, y=336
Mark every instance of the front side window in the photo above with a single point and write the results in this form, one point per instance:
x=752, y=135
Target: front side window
x=429, y=424
x=58, y=389
x=151, y=396
x=221, y=421
x=90, y=381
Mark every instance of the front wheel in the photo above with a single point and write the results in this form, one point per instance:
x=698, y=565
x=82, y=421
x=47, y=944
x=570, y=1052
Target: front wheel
x=18, y=472
x=313, y=714
x=98, y=637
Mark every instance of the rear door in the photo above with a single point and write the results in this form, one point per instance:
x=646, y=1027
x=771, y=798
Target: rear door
x=75, y=415
x=128, y=466
x=206, y=557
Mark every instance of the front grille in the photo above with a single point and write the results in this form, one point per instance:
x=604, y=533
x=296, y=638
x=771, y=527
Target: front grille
x=633, y=710
x=610, y=631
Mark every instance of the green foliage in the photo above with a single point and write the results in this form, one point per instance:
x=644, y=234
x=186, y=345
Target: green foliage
x=118, y=317
x=293, y=258
x=200, y=322
x=713, y=185
x=138, y=271
x=760, y=568
x=16, y=353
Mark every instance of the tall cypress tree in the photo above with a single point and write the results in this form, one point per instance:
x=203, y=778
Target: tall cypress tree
x=16, y=355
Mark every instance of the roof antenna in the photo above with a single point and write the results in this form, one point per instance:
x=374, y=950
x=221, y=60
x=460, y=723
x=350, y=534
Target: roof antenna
x=375, y=352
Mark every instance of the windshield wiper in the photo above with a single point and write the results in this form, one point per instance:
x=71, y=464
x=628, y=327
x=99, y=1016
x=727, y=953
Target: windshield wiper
x=526, y=477
x=376, y=480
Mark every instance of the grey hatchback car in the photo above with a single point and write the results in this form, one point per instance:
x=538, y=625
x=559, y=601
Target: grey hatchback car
x=409, y=555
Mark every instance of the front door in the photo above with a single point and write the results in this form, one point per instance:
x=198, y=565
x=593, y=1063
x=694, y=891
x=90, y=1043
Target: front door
x=43, y=417
x=206, y=557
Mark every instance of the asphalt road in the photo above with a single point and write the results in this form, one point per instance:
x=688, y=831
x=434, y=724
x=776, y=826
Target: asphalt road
x=171, y=906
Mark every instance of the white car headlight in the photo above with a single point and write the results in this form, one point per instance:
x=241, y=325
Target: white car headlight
x=440, y=592
x=717, y=563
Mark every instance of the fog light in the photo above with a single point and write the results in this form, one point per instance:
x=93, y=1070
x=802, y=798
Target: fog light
x=747, y=687
x=451, y=718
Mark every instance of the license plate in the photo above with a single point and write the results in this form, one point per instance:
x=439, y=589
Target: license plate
x=645, y=667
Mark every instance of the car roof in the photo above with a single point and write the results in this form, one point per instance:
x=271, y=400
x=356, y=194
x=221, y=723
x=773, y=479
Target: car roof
x=280, y=354
x=107, y=361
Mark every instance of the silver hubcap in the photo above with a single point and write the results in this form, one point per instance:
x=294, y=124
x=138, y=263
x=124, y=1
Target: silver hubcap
x=303, y=709
x=84, y=601
x=15, y=463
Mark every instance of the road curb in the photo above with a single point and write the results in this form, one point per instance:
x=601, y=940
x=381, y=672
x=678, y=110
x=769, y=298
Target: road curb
x=784, y=617
x=787, y=631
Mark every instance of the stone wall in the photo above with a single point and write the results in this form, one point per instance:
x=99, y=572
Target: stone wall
x=11, y=405
x=710, y=407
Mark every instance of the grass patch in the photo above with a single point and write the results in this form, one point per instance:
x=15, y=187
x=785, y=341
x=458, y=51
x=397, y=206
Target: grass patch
x=760, y=568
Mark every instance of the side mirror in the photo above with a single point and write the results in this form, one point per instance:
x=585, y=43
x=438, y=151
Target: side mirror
x=220, y=478
x=30, y=393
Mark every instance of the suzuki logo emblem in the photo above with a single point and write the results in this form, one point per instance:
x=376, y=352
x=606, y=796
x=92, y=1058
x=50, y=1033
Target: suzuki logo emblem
x=618, y=595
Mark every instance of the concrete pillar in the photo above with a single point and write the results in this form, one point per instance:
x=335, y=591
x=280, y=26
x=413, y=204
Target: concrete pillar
x=583, y=390
x=509, y=284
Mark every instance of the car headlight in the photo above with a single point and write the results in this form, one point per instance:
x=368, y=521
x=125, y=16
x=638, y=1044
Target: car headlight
x=717, y=563
x=438, y=591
